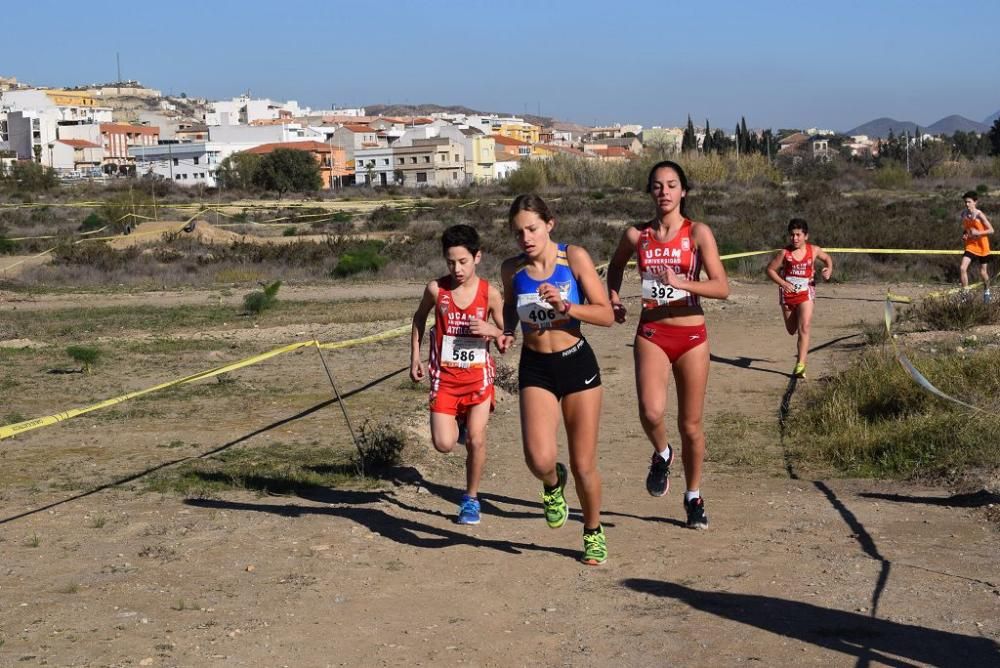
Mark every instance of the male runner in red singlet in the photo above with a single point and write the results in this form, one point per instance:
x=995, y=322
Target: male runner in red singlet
x=461, y=369
x=793, y=268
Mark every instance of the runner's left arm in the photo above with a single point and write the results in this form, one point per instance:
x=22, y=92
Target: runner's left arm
x=597, y=307
x=717, y=285
x=827, y=261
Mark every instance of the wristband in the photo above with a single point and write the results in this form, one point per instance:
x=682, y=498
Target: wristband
x=508, y=332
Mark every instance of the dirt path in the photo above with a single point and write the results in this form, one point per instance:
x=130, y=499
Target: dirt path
x=791, y=572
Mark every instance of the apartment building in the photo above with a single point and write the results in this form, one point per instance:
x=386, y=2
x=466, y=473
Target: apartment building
x=186, y=164
x=437, y=161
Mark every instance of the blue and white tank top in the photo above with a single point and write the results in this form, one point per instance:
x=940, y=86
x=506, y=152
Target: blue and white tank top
x=535, y=313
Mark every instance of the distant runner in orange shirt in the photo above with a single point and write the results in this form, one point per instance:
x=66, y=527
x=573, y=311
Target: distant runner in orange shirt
x=975, y=230
x=793, y=269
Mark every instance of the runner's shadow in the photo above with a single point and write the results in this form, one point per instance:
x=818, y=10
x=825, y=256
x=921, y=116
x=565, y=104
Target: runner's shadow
x=399, y=529
x=488, y=501
x=969, y=500
x=868, y=639
x=745, y=363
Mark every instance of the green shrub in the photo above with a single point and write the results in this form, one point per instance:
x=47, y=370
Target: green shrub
x=91, y=222
x=261, y=300
x=364, y=258
x=85, y=355
x=289, y=232
x=874, y=420
x=381, y=446
x=959, y=311
x=892, y=176
x=6, y=245
x=527, y=178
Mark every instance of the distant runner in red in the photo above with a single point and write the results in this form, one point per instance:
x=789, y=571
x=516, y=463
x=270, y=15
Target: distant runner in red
x=672, y=252
x=793, y=268
x=461, y=369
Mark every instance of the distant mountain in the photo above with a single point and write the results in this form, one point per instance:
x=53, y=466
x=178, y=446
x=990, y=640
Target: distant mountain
x=880, y=128
x=990, y=119
x=946, y=126
x=950, y=124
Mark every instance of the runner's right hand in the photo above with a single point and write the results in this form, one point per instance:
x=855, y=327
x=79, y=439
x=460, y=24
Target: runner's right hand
x=417, y=371
x=620, y=312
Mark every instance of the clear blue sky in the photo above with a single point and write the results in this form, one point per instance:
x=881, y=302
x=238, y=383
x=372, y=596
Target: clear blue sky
x=781, y=64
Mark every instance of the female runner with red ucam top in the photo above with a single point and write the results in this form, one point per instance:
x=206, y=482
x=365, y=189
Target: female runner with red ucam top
x=671, y=337
x=793, y=268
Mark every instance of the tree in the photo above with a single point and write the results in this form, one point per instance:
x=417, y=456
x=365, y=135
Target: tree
x=927, y=156
x=689, y=142
x=238, y=170
x=706, y=144
x=37, y=150
x=287, y=169
x=994, y=135
x=31, y=176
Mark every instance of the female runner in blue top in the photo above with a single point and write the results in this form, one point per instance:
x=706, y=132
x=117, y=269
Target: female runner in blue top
x=551, y=288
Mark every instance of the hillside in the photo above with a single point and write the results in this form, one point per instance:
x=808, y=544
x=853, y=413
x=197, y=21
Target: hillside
x=880, y=127
x=951, y=124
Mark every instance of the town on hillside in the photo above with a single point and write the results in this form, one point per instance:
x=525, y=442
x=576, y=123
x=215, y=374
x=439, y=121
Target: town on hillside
x=124, y=129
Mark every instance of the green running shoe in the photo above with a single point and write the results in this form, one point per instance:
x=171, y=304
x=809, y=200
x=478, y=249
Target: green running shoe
x=554, y=503
x=595, y=547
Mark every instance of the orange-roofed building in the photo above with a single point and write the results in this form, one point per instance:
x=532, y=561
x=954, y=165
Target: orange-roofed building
x=511, y=148
x=118, y=138
x=332, y=160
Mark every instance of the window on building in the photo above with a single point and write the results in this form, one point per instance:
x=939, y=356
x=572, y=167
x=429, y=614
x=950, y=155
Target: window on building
x=402, y=160
x=427, y=158
x=176, y=162
x=454, y=176
x=385, y=161
x=421, y=177
x=196, y=159
x=177, y=177
x=456, y=157
x=413, y=160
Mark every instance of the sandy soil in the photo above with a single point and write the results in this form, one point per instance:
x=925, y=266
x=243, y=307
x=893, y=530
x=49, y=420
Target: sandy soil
x=792, y=571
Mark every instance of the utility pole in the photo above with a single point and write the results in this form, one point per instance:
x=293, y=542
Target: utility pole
x=118, y=60
x=907, y=136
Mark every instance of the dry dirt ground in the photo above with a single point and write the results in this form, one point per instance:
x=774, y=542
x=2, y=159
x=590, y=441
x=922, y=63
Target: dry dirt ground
x=97, y=570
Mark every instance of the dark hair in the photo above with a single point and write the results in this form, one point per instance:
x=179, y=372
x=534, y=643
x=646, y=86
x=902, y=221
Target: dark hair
x=460, y=235
x=798, y=224
x=532, y=203
x=972, y=194
x=681, y=176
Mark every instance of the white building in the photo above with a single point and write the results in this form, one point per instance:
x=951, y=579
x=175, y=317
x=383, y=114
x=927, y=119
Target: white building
x=29, y=119
x=375, y=166
x=244, y=110
x=186, y=164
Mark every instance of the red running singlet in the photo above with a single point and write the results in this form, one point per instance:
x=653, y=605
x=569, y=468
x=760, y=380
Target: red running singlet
x=460, y=361
x=801, y=274
x=679, y=255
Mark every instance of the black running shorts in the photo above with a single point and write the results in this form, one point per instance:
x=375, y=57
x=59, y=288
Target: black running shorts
x=572, y=370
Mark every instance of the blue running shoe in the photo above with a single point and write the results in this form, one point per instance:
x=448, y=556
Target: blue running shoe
x=468, y=510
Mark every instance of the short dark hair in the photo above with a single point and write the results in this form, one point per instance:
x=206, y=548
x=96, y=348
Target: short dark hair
x=532, y=203
x=972, y=194
x=798, y=224
x=681, y=176
x=460, y=235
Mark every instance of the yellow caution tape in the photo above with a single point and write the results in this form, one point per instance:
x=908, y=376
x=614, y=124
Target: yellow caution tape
x=36, y=423
x=911, y=370
x=11, y=266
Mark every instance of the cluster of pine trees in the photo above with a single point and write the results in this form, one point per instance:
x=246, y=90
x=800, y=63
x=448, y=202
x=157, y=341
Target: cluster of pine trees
x=717, y=141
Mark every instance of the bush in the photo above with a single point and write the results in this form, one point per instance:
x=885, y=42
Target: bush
x=261, y=300
x=959, y=311
x=85, y=355
x=874, y=420
x=381, y=446
x=364, y=258
x=6, y=245
x=91, y=222
x=892, y=176
x=289, y=232
x=528, y=178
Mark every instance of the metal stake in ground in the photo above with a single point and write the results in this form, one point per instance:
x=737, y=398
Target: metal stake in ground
x=336, y=393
